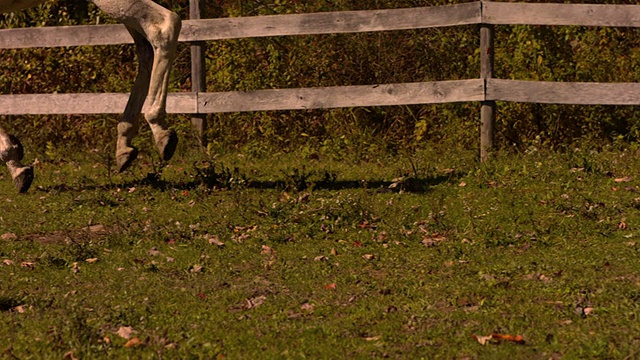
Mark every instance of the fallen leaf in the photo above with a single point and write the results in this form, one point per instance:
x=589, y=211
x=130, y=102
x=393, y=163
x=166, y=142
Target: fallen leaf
x=69, y=355
x=497, y=338
x=9, y=236
x=331, y=286
x=214, y=240
x=545, y=279
x=196, y=269
x=462, y=184
x=125, y=332
x=373, y=338
x=133, y=343
x=92, y=260
x=254, y=302
x=99, y=229
x=28, y=264
x=481, y=339
x=334, y=252
x=518, y=339
x=19, y=309
x=267, y=250
x=7, y=262
x=154, y=251
x=368, y=256
x=307, y=307
x=588, y=310
x=623, y=179
x=319, y=258
x=201, y=296
x=170, y=259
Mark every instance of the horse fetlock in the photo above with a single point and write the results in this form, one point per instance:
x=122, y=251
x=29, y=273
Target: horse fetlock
x=17, y=145
x=13, y=152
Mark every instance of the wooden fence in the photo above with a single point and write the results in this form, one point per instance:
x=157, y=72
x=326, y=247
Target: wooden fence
x=485, y=89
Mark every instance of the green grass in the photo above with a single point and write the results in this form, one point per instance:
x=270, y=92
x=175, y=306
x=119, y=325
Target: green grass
x=400, y=257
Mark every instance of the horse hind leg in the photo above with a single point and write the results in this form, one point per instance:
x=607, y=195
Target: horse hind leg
x=164, y=39
x=155, y=32
x=11, y=153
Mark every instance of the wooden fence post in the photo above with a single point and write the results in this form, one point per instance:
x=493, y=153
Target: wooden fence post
x=198, y=73
x=488, y=108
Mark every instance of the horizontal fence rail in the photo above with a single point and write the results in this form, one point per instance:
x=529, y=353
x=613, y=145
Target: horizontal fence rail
x=484, y=12
x=485, y=89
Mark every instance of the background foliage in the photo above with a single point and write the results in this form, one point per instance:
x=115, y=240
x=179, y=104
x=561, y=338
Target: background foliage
x=522, y=52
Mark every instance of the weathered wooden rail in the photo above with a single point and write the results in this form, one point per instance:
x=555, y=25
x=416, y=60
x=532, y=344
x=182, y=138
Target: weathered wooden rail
x=485, y=89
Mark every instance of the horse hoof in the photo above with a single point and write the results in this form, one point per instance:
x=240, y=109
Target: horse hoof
x=167, y=146
x=18, y=146
x=123, y=161
x=24, y=179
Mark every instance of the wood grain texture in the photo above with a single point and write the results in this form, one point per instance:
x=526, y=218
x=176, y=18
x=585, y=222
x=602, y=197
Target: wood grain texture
x=253, y=26
x=109, y=103
x=577, y=93
x=338, y=22
x=343, y=96
x=332, y=22
x=56, y=36
x=499, y=13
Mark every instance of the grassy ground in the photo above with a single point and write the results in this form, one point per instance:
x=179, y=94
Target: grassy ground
x=418, y=256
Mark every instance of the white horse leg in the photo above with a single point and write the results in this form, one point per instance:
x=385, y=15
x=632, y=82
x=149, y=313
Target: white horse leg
x=129, y=123
x=153, y=28
x=11, y=153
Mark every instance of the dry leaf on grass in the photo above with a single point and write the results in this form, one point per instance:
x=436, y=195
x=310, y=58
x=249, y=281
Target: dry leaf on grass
x=307, y=307
x=133, y=343
x=254, y=302
x=214, y=240
x=331, y=286
x=69, y=355
x=267, y=250
x=197, y=269
x=623, y=179
x=496, y=338
x=125, y=332
x=9, y=236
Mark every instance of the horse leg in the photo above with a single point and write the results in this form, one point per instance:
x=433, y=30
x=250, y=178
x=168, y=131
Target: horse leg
x=155, y=31
x=129, y=124
x=11, y=153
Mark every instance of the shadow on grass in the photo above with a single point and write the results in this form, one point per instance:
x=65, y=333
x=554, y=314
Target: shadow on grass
x=225, y=180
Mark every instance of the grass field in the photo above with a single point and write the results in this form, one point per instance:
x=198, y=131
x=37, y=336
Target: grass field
x=427, y=255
